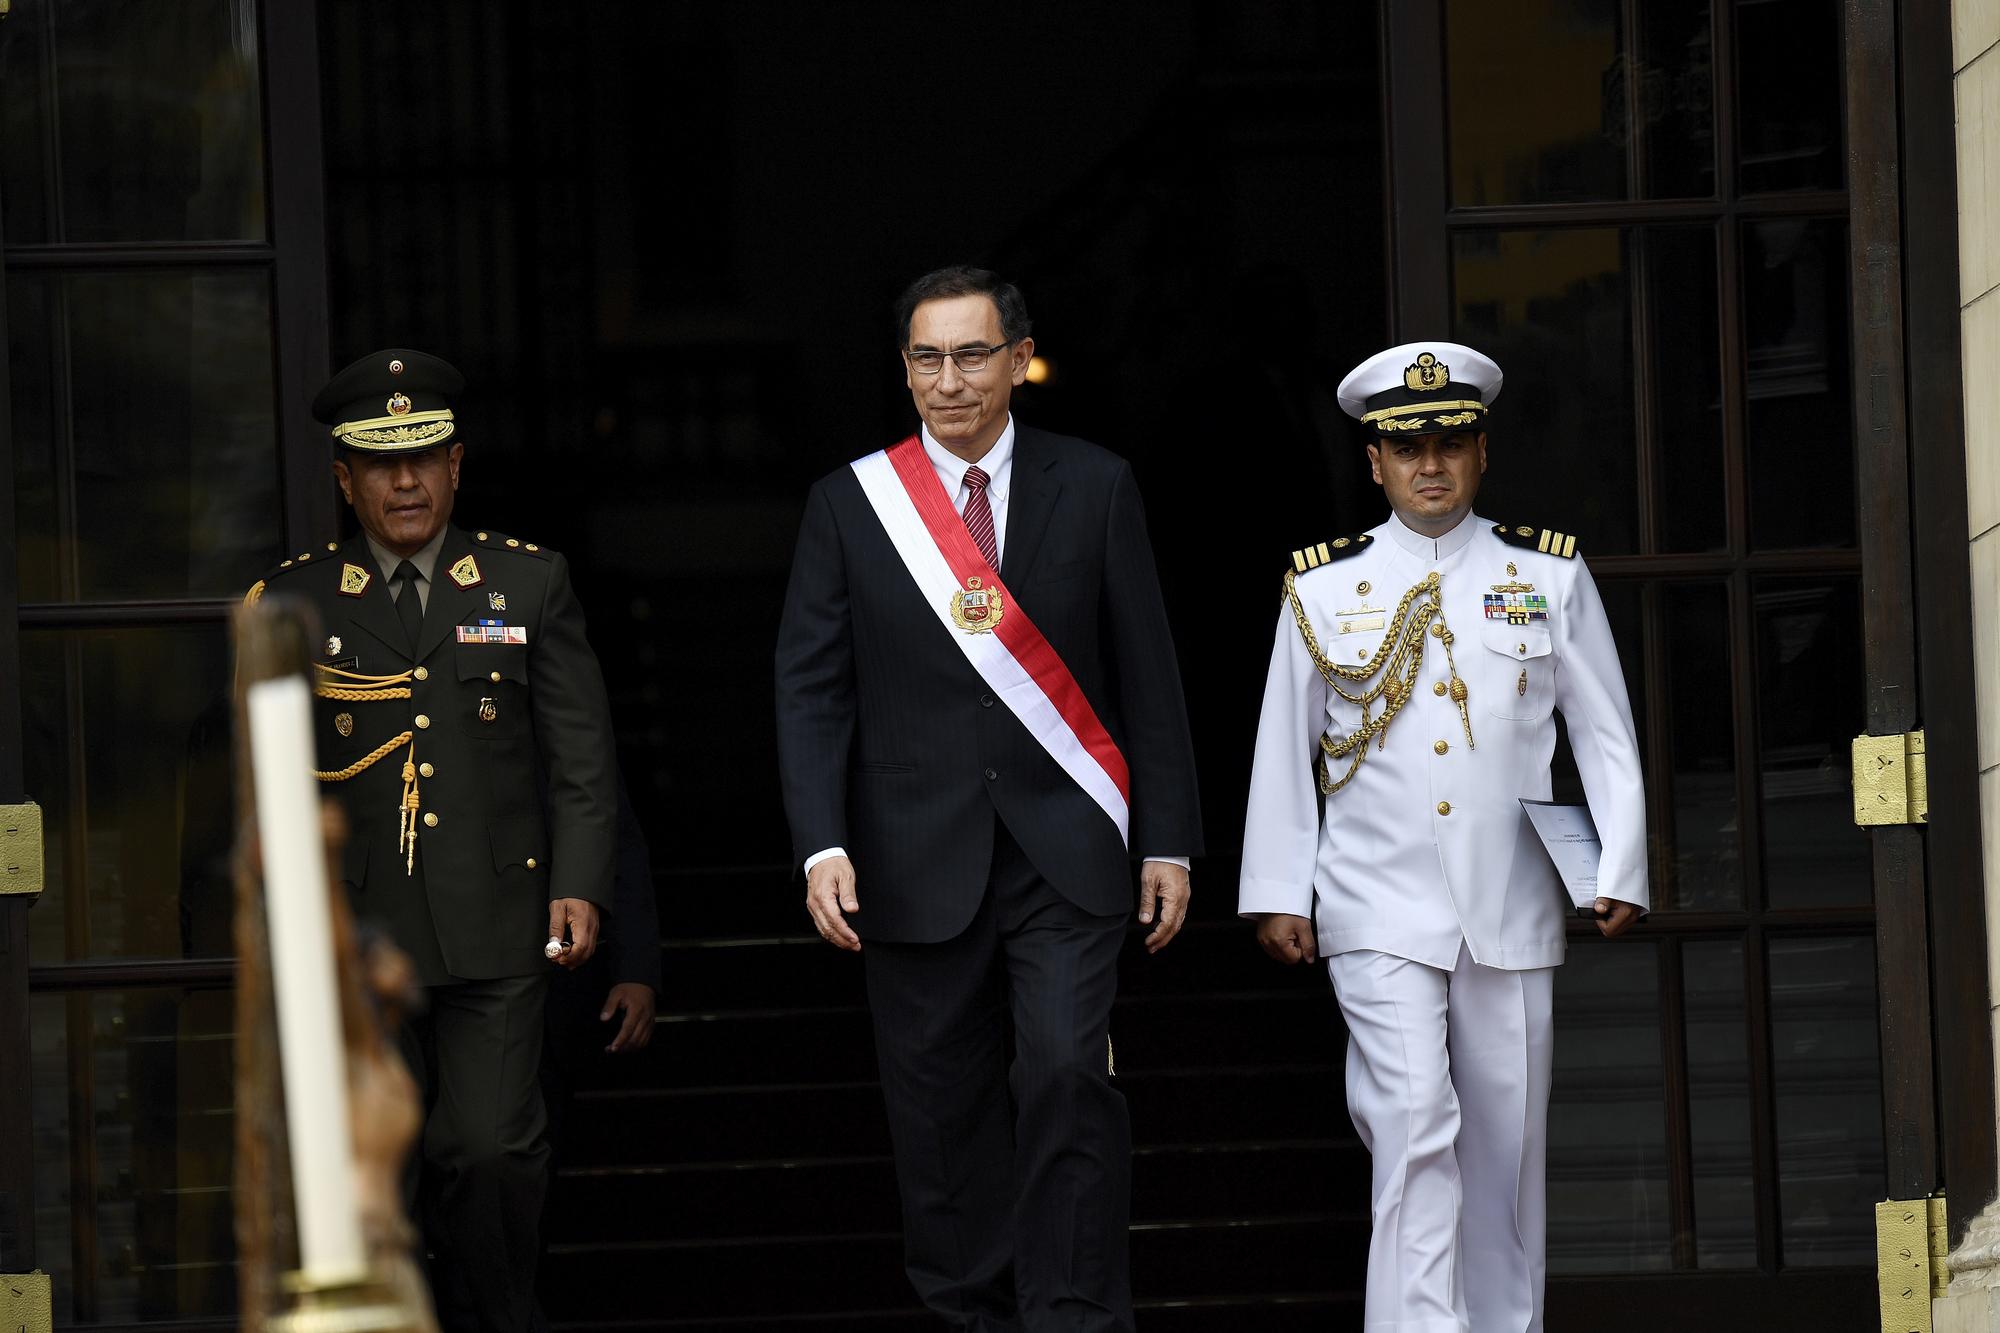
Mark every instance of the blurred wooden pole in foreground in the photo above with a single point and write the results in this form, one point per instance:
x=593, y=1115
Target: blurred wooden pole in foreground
x=341, y=1258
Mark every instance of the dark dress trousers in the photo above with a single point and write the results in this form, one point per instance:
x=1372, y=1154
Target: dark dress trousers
x=494, y=725
x=994, y=892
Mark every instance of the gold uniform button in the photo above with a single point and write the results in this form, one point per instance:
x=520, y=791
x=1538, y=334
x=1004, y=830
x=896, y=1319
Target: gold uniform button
x=532, y=547
x=494, y=677
x=1438, y=689
x=431, y=820
x=333, y=546
x=1520, y=647
x=1440, y=747
x=531, y=863
x=1444, y=807
x=512, y=542
x=423, y=673
x=482, y=536
x=423, y=722
x=426, y=770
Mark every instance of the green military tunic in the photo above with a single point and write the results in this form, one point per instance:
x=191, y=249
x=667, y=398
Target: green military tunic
x=477, y=774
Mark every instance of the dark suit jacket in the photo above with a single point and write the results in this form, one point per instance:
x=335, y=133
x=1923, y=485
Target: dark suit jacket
x=491, y=722
x=886, y=734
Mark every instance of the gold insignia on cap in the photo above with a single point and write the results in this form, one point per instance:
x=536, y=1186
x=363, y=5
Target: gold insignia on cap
x=344, y=723
x=398, y=405
x=354, y=580
x=395, y=367
x=466, y=573
x=1458, y=418
x=1426, y=373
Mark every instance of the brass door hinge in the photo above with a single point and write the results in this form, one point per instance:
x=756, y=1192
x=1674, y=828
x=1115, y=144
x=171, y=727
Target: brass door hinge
x=25, y=1302
x=1912, y=1238
x=20, y=849
x=1891, y=779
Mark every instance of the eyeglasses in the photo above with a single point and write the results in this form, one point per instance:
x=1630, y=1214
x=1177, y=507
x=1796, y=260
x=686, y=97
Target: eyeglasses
x=967, y=359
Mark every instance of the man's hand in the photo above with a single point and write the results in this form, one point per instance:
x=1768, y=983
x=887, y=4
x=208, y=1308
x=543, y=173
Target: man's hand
x=1163, y=896
x=829, y=893
x=579, y=917
x=1620, y=918
x=637, y=1001
x=1287, y=938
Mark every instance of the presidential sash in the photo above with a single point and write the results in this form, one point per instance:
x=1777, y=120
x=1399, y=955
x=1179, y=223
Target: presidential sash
x=993, y=631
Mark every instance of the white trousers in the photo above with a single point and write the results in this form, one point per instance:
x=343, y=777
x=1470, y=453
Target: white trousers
x=1448, y=1084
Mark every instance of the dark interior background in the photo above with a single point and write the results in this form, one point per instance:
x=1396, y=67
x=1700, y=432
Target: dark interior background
x=662, y=241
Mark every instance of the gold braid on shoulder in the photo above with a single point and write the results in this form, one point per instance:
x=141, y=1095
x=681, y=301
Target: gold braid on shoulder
x=1394, y=669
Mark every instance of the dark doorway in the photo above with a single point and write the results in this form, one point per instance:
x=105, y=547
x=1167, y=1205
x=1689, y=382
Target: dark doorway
x=662, y=241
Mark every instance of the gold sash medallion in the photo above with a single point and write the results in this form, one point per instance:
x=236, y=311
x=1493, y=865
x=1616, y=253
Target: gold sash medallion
x=975, y=608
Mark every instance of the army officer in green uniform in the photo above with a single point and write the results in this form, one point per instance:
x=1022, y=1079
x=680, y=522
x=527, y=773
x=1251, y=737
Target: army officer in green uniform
x=452, y=680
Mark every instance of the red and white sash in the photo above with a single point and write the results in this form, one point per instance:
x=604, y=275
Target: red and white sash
x=1011, y=656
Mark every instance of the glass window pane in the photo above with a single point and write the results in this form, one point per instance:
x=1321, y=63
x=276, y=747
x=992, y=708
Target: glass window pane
x=1608, y=1207
x=175, y=86
x=1788, y=82
x=1718, y=1047
x=1676, y=96
x=135, y=724
x=1686, y=354
x=1827, y=1062
x=1809, y=709
x=146, y=455
x=1536, y=101
x=150, y=1073
x=1554, y=309
x=1800, y=439
x=1707, y=852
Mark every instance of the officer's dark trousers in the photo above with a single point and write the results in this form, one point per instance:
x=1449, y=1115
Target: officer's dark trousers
x=1015, y=1207
x=476, y=1054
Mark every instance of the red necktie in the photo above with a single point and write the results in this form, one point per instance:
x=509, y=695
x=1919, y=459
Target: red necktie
x=979, y=516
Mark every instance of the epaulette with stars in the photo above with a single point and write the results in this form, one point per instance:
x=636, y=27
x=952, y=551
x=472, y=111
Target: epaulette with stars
x=1546, y=540
x=1325, y=553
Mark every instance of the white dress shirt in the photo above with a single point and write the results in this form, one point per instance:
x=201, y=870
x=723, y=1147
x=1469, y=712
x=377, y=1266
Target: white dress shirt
x=998, y=463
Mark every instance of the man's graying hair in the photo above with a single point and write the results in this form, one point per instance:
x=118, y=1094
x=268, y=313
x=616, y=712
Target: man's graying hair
x=964, y=280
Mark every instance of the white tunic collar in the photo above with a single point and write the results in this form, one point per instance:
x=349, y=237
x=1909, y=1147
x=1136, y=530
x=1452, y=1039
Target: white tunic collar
x=1433, y=549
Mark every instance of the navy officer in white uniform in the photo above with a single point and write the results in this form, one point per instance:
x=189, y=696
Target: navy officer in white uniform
x=1409, y=708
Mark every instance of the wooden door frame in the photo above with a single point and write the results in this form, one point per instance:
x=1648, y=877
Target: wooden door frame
x=1932, y=982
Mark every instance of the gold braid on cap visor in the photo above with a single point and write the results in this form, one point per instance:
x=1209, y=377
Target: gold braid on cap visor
x=414, y=430
x=1413, y=409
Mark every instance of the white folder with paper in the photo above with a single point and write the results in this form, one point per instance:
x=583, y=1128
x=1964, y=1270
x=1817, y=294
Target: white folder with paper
x=1571, y=840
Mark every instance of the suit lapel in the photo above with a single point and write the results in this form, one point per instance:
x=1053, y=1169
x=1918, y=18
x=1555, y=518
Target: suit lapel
x=449, y=603
x=1036, y=486
x=375, y=609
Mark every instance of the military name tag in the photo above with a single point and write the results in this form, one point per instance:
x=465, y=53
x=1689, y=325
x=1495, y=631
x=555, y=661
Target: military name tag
x=1361, y=620
x=975, y=608
x=492, y=631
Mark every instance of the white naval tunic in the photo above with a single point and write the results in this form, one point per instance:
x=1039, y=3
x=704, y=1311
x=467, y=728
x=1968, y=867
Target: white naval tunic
x=1428, y=846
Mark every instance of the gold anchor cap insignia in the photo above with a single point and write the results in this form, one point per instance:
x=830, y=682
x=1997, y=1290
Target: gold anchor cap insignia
x=1426, y=373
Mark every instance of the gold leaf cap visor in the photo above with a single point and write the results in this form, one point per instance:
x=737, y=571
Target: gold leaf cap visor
x=1420, y=389
x=393, y=401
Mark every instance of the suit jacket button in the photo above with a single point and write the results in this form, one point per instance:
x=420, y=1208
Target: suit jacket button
x=422, y=673
x=991, y=775
x=985, y=701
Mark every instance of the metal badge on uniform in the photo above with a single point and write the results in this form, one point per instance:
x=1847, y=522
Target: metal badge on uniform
x=488, y=710
x=465, y=572
x=977, y=609
x=492, y=631
x=354, y=580
x=1361, y=619
x=333, y=645
x=344, y=723
x=496, y=601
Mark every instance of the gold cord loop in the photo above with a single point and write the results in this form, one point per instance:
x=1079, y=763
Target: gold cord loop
x=1395, y=668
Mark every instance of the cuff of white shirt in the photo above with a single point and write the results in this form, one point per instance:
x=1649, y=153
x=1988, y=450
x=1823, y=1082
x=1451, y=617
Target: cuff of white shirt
x=817, y=857
x=1180, y=861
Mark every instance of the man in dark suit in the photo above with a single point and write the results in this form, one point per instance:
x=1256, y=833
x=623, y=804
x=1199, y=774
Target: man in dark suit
x=981, y=725
x=455, y=687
